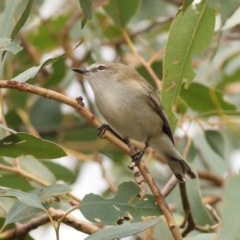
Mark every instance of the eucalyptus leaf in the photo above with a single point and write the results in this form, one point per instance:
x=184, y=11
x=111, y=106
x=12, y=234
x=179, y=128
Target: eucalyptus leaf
x=230, y=209
x=36, y=168
x=23, y=18
x=124, y=204
x=21, y=212
x=122, y=230
x=29, y=199
x=13, y=46
x=31, y=72
x=122, y=11
x=86, y=6
x=11, y=180
x=190, y=33
x=198, y=97
x=4, y=42
x=54, y=190
x=7, y=18
x=198, y=210
x=228, y=8
x=216, y=142
x=20, y=144
x=59, y=171
x=186, y=4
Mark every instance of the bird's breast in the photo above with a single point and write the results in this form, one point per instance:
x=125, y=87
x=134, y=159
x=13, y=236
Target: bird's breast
x=129, y=114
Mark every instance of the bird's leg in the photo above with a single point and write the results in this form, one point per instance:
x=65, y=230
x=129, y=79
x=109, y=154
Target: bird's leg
x=103, y=128
x=136, y=157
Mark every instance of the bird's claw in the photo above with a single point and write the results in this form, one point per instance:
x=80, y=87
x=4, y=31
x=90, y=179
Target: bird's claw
x=136, y=157
x=102, y=129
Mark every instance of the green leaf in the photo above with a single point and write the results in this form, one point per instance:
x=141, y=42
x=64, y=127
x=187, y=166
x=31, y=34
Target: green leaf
x=60, y=172
x=59, y=71
x=186, y=4
x=8, y=129
x=49, y=44
x=37, y=168
x=23, y=18
x=86, y=6
x=20, y=144
x=199, y=211
x=122, y=11
x=20, y=212
x=54, y=190
x=31, y=72
x=230, y=212
x=216, y=142
x=190, y=33
x=11, y=46
x=124, y=204
x=228, y=8
x=29, y=199
x=6, y=203
x=11, y=180
x=198, y=97
x=4, y=43
x=45, y=113
x=228, y=79
x=7, y=18
x=122, y=230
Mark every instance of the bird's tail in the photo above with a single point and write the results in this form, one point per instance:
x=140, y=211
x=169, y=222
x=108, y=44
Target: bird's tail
x=165, y=147
x=179, y=167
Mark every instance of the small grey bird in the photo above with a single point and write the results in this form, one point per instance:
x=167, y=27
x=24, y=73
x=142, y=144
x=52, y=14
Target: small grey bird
x=130, y=105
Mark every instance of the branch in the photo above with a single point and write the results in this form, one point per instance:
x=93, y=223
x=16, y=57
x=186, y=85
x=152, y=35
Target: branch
x=171, y=184
x=210, y=176
x=160, y=201
x=188, y=218
x=107, y=135
x=21, y=230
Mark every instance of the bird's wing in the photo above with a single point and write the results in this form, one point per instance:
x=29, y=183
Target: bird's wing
x=154, y=102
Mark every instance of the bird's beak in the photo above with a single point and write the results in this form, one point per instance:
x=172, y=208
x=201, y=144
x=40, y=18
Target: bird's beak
x=80, y=70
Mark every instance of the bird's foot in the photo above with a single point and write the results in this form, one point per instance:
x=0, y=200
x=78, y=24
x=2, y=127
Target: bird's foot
x=103, y=128
x=137, y=157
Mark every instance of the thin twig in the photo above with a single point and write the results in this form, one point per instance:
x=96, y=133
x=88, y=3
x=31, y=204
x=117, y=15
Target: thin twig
x=27, y=175
x=141, y=59
x=160, y=201
x=111, y=186
x=22, y=230
x=188, y=218
x=209, y=175
x=171, y=184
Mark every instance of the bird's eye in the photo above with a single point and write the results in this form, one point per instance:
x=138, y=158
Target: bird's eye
x=101, y=67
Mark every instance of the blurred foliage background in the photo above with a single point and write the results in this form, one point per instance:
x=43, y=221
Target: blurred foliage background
x=208, y=128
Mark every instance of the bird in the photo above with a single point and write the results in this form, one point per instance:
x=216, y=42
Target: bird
x=131, y=107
